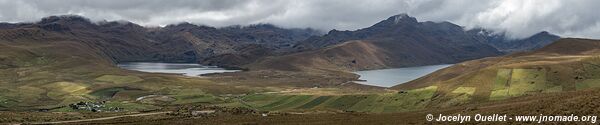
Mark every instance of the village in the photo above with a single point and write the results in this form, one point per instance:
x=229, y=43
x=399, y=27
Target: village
x=94, y=107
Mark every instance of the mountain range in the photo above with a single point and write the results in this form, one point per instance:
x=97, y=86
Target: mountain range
x=402, y=41
x=124, y=41
x=399, y=40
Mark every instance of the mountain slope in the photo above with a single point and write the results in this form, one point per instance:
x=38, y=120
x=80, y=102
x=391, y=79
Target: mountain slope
x=398, y=41
x=230, y=46
x=404, y=25
x=402, y=41
x=508, y=45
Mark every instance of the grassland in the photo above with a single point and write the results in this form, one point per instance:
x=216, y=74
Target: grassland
x=566, y=65
x=371, y=103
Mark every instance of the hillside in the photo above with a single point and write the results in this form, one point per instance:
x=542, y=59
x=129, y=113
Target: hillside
x=357, y=55
x=566, y=65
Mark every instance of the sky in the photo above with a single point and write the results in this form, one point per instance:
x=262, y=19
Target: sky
x=518, y=18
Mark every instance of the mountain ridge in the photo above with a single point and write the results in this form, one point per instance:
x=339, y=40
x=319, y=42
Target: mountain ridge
x=400, y=41
x=183, y=42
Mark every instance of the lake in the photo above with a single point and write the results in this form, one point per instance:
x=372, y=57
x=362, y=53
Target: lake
x=187, y=69
x=395, y=76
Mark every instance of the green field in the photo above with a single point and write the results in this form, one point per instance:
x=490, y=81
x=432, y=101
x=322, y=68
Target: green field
x=382, y=102
x=517, y=82
x=345, y=102
x=317, y=101
x=464, y=90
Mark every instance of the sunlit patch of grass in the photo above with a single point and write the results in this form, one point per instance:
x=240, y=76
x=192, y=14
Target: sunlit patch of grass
x=517, y=82
x=502, y=78
x=461, y=95
x=410, y=100
x=426, y=92
x=527, y=80
x=499, y=94
x=58, y=90
x=464, y=90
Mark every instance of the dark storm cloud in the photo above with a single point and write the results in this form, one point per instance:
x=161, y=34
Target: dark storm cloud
x=520, y=18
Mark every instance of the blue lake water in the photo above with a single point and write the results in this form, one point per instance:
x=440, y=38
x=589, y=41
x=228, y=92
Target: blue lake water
x=187, y=69
x=395, y=76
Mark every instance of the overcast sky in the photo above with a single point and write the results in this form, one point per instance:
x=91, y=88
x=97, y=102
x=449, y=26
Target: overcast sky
x=520, y=18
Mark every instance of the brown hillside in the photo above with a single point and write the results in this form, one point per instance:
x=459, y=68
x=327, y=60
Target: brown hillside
x=566, y=65
x=347, y=56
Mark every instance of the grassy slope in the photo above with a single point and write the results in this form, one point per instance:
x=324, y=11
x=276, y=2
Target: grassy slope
x=566, y=65
x=375, y=102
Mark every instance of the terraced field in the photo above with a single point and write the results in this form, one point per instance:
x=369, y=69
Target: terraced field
x=517, y=82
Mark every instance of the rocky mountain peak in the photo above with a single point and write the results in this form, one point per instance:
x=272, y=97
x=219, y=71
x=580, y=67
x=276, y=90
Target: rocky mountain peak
x=65, y=19
x=65, y=23
x=401, y=18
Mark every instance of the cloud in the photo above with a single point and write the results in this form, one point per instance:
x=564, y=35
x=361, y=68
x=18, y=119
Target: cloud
x=519, y=18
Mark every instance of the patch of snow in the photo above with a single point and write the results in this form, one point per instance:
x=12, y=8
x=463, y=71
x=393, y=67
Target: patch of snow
x=399, y=17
